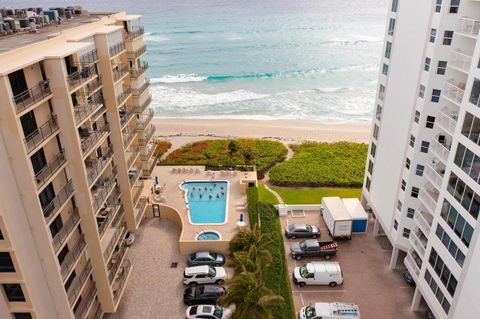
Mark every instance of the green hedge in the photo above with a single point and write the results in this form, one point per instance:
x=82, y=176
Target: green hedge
x=252, y=196
x=322, y=164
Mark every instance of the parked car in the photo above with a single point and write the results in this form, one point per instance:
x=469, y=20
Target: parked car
x=208, y=311
x=318, y=273
x=205, y=258
x=407, y=276
x=200, y=275
x=313, y=248
x=206, y=294
x=302, y=231
x=129, y=239
x=333, y=310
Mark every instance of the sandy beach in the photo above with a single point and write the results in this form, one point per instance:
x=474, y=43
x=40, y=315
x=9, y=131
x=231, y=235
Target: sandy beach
x=182, y=131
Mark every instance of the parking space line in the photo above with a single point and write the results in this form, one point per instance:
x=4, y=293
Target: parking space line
x=301, y=298
x=316, y=291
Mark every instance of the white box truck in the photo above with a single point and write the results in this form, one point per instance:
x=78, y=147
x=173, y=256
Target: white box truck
x=337, y=217
x=358, y=214
x=334, y=310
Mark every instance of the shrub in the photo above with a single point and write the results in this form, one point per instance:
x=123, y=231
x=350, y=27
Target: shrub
x=162, y=147
x=322, y=164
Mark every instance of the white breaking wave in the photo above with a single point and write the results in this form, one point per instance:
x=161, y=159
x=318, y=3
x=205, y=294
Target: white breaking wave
x=156, y=38
x=179, y=78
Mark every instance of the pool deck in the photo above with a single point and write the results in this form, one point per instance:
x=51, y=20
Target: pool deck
x=174, y=198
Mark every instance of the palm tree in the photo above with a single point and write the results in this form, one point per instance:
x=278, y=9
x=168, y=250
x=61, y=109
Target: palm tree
x=244, y=239
x=247, y=155
x=232, y=150
x=252, y=260
x=251, y=298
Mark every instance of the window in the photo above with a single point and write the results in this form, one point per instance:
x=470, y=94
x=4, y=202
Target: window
x=412, y=141
x=394, y=5
x=471, y=127
x=395, y=224
x=475, y=95
x=447, y=37
x=404, y=184
x=370, y=167
x=428, y=61
x=464, y=195
x=385, y=69
x=407, y=163
x=417, y=116
x=421, y=91
x=424, y=147
x=457, y=223
x=381, y=92
x=388, y=49
x=445, y=275
x=22, y=315
x=410, y=212
x=415, y=191
x=438, y=6
x=6, y=262
x=419, y=170
x=430, y=122
x=406, y=233
x=375, y=131
x=436, y=95
x=378, y=112
x=454, y=4
x=399, y=205
x=1, y=235
x=14, y=292
x=442, y=67
x=391, y=26
x=367, y=184
x=468, y=162
x=433, y=35
x=373, y=150
x=437, y=292
x=63, y=253
x=450, y=245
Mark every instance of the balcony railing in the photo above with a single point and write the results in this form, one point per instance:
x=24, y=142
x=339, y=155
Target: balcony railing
x=32, y=96
x=86, y=303
x=67, y=228
x=133, y=175
x=98, y=313
x=411, y=265
x=139, y=91
x=149, y=166
x=136, y=72
x=137, y=191
x=468, y=26
x=140, y=209
x=132, y=55
x=71, y=258
x=92, y=138
x=88, y=106
x=428, y=199
x=84, y=74
x=422, y=221
x=89, y=57
x=116, y=49
x=113, y=241
x=122, y=280
x=78, y=282
x=96, y=166
x=114, y=210
x=53, y=166
x=142, y=123
x=433, y=176
x=442, y=151
x=417, y=243
x=132, y=156
x=41, y=134
x=132, y=35
x=447, y=120
x=119, y=71
x=101, y=191
x=124, y=95
x=94, y=85
x=460, y=61
x=148, y=154
x=453, y=92
x=148, y=133
x=125, y=118
x=52, y=208
x=141, y=107
x=119, y=258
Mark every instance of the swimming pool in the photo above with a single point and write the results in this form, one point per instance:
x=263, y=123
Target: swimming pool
x=207, y=201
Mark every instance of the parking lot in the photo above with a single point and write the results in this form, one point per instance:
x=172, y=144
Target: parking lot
x=368, y=281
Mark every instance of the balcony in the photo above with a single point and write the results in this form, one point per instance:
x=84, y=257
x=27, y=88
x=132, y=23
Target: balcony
x=90, y=139
x=424, y=221
x=87, y=106
x=50, y=209
x=132, y=35
x=123, y=275
x=41, y=134
x=49, y=170
x=72, y=257
x=440, y=150
x=105, y=216
x=140, y=209
x=139, y=108
x=81, y=75
x=137, y=191
x=97, y=165
x=119, y=71
x=128, y=138
x=131, y=156
x=125, y=117
x=132, y=55
x=34, y=95
x=429, y=198
x=122, y=97
x=148, y=133
x=116, y=261
x=460, y=61
x=419, y=242
x=142, y=122
x=468, y=27
x=454, y=91
x=115, y=235
x=411, y=263
x=76, y=286
x=116, y=49
x=86, y=302
x=66, y=229
x=434, y=174
x=89, y=57
x=102, y=188
x=138, y=71
x=147, y=154
x=93, y=86
x=447, y=120
x=148, y=167
x=98, y=313
x=140, y=90
x=133, y=175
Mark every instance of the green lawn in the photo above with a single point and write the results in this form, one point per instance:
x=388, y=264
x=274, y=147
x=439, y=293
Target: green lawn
x=265, y=196
x=314, y=195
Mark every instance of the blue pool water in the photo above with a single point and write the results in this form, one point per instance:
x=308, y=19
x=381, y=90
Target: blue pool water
x=207, y=201
x=208, y=235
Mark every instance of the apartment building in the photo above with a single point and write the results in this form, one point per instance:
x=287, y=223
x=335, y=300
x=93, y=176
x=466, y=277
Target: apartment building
x=76, y=153
x=423, y=168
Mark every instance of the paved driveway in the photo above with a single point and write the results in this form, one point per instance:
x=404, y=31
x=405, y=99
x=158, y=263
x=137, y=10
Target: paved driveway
x=368, y=282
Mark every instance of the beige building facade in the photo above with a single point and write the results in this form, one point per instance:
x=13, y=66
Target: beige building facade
x=75, y=150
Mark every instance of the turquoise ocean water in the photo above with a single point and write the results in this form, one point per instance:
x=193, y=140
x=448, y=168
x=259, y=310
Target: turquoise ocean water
x=258, y=59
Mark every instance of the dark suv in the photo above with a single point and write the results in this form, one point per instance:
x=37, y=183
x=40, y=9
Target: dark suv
x=206, y=294
x=313, y=248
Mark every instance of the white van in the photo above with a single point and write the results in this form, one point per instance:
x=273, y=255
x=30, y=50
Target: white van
x=318, y=273
x=334, y=310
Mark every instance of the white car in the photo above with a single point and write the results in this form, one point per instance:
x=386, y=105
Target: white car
x=200, y=275
x=208, y=312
